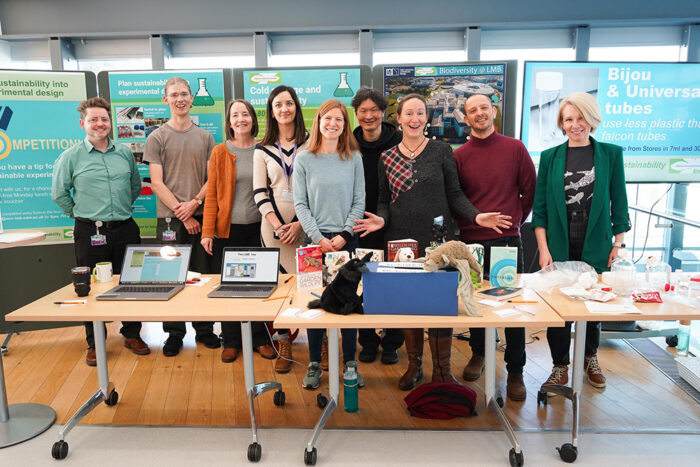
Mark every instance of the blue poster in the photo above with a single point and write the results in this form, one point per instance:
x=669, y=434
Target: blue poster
x=652, y=110
x=138, y=109
x=38, y=121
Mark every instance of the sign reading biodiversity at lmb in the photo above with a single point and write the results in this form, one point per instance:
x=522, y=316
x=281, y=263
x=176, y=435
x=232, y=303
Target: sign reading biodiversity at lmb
x=313, y=87
x=38, y=121
x=652, y=110
x=138, y=110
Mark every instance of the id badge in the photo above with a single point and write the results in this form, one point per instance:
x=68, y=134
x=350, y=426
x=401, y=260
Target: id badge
x=98, y=240
x=169, y=236
x=287, y=196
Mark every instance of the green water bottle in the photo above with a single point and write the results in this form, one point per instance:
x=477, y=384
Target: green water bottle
x=350, y=401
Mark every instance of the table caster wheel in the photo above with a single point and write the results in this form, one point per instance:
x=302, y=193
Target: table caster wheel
x=542, y=398
x=322, y=401
x=254, y=452
x=279, y=398
x=310, y=457
x=112, y=398
x=516, y=458
x=59, y=450
x=3, y=350
x=672, y=341
x=499, y=401
x=568, y=452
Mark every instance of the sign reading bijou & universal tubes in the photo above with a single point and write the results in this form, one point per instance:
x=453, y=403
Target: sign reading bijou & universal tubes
x=38, y=121
x=312, y=85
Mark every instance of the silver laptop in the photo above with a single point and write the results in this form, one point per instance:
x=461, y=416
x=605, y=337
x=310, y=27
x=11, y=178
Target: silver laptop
x=248, y=272
x=151, y=272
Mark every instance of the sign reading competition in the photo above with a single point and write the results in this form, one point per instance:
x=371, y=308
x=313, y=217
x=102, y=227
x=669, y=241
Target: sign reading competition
x=652, y=110
x=313, y=87
x=38, y=121
x=446, y=89
x=138, y=110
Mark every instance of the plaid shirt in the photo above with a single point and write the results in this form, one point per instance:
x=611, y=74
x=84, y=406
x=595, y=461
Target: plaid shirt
x=399, y=172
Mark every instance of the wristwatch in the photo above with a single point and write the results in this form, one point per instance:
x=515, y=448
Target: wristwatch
x=199, y=201
x=618, y=245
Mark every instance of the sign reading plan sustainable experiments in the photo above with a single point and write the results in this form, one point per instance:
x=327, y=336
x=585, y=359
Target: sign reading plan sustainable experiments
x=313, y=87
x=38, y=121
x=652, y=110
x=138, y=110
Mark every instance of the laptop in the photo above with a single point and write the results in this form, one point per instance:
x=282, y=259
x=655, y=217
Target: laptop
x=151, y=272
x=248, y=272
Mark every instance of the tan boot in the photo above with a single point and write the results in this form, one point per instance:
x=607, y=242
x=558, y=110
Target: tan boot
x=284, y=361
x=414, y=349
x=441, y=350
x=515, y=388
x=474, y=368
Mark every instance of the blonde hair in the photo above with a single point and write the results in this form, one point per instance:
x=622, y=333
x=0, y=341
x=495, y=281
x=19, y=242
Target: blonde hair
x=586, y=105
x=176, y=80
x=346, y=143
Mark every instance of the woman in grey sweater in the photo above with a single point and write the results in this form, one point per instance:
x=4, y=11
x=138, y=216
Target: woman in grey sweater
x=417, y=183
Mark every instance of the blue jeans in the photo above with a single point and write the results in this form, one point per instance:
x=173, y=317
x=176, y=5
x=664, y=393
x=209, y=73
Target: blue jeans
x=349, y=335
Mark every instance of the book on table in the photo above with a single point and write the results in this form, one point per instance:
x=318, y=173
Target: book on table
x=500, y=293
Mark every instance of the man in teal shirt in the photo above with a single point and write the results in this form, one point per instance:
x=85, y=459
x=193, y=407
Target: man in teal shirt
x=96, y=182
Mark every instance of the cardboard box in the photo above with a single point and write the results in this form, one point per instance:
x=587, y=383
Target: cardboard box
x=409, y=293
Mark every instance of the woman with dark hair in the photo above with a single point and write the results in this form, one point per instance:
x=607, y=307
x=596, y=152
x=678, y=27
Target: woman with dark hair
x=582, y=182
x=418, y=182
x=273, y=167
x=231, y=217
x=329, y=195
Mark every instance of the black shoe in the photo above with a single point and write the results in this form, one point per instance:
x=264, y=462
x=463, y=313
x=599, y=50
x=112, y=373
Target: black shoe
x=172, y=346
x=367, y=355
x=210, y=340
x=389, y=356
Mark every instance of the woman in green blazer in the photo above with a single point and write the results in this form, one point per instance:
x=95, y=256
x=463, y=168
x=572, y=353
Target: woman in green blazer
x=580, y=205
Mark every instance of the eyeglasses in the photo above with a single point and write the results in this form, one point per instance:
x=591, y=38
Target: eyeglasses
x=175, y=95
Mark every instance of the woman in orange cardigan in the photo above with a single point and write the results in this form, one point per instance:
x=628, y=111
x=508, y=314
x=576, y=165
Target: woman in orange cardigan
x=231, y=217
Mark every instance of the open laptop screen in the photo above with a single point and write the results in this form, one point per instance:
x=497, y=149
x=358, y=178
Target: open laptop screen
x=147, y=264
x=250, y=265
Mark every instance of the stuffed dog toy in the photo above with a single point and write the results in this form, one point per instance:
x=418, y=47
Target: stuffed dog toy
x=340, y=297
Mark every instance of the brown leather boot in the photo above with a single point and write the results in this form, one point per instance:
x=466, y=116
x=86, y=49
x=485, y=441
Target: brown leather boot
x=414, y=349
x=515, y=387
x=441, y=350
x=474, y=368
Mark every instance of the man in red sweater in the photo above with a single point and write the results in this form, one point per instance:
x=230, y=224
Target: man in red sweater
x=497, y=174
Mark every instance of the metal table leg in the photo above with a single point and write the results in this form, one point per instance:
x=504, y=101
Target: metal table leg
x=105, y=393
x=20, y=422
x=310, y=452
x=494, y=401
x=254, y=390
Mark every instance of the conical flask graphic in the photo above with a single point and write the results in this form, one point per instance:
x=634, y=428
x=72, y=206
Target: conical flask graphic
x=202, y=98
x=343, y=89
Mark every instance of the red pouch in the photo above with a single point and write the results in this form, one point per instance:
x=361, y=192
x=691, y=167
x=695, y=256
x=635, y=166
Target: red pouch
x=647, y=297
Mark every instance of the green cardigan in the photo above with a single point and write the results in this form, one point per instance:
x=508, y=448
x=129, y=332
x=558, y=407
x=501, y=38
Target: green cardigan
x=608, y=215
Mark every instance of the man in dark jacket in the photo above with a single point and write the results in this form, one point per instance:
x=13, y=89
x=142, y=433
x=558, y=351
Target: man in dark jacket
x=374, y=137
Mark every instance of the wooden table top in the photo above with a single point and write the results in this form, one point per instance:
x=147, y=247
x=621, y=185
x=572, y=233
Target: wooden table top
x=190, y=304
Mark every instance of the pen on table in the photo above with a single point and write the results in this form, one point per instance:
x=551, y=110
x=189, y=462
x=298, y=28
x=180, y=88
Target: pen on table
x=315, y=295
x=522, y=301
x=275, y=298
x=291, y=299
x=288, y=279
x=70, y=302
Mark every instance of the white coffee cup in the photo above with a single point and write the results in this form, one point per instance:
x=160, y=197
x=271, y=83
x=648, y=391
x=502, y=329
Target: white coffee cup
x=103, y=272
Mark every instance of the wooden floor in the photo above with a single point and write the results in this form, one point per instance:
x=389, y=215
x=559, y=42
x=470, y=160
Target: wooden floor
x=196, y=388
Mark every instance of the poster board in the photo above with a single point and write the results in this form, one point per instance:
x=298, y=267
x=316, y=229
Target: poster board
x=446, y=87
x=652, y=110
x=312, y=85
x=38, y=121
x=138, y=110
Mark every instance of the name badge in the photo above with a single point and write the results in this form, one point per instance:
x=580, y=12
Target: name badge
x=287, y=196
x=169, y=236
x=98, y=240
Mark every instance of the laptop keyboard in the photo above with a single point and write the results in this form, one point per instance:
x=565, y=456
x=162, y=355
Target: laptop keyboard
x=148, y=289
x=234, y=288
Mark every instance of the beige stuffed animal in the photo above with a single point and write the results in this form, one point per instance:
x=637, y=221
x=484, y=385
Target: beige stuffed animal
x=456, y=254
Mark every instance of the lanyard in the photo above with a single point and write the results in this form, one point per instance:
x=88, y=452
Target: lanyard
x=287, y=170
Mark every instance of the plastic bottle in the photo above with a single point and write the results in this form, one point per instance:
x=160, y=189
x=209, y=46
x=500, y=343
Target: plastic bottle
x=350, y=401
x=683, y=337
x=658, y=274
x=624, y=274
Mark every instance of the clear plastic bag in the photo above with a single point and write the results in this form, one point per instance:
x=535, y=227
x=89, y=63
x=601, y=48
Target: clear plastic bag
x=562, y=274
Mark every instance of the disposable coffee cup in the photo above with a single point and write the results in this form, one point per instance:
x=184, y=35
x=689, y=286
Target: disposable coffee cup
x=81, y=280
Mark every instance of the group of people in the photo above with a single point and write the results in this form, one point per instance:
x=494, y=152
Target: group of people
x=342, y=189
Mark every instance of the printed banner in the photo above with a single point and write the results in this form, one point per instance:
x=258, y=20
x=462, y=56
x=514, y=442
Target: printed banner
x=446, y=89
x=652, y=110
x=138, y=110
x=312, y=85
x=38, y=121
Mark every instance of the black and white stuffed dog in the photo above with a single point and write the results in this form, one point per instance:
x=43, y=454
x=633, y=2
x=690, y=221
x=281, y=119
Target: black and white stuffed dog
x=340, y=297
